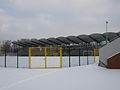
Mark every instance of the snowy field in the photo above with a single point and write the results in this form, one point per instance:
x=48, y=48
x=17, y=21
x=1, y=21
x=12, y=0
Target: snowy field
x=23, y=61
x=87, y=77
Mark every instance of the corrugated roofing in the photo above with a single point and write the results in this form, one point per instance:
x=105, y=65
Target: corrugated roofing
x=80, y=39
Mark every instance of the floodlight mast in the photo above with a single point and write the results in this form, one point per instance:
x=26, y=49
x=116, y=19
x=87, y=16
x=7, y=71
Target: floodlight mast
x=106, y=32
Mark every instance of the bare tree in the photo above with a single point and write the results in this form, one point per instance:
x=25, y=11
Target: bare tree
x=6, y=45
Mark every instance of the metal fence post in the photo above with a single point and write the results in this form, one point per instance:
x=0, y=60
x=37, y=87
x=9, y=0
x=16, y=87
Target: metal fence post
x=79, y=57
x=17, y=59
x=5, y=58
x=87, y=57
x=69, y=57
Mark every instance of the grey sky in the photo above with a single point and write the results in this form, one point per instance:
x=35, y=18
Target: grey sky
x=53, y=18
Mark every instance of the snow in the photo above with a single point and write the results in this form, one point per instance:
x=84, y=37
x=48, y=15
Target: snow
x=87, y=77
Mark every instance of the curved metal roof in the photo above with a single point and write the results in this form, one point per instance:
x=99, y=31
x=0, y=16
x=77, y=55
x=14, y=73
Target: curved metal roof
x=74, y=39
x=24, y=43
x=38, y=42
x=55, y=41
x=118, y=33
x=19, y=44
x=111, y=36
x=85, y=38
x=64, y=40
x=30, y=42
x=46, y=41
x=95, y=37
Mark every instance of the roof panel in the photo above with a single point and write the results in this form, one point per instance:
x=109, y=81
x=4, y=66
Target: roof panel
x=118, y=34
x=55, y=41
x=38, y=42
x=85, y=38
x=19, y=44
x=111, y=36
x=46, y=41
x=27, y=45
x=64, y=40
x=98, y=37
x=31, y=43
x=74, y=39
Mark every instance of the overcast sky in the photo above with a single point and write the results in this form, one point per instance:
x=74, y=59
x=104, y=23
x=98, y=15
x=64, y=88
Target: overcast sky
x=54, y=18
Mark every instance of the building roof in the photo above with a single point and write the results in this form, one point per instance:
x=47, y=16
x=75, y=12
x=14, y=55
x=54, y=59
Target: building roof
x=80, y=39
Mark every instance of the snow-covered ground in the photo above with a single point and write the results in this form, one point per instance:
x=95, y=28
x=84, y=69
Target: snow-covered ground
x=87, y=77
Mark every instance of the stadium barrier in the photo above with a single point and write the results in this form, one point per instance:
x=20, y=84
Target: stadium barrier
x=70, y=57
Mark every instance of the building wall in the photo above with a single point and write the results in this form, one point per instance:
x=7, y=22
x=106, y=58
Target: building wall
x=109, y=50
x=114, y=62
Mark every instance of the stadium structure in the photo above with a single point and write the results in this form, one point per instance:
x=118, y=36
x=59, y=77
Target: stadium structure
x=87, y=45
x=96, y=40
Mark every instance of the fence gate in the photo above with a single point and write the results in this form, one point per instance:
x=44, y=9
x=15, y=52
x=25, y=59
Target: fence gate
x=45, y=57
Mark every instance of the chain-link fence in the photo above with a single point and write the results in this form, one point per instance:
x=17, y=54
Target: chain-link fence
x=71, y=56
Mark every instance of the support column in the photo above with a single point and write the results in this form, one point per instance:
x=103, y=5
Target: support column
x=5, y=58
x=30, y=58
x=87, y=57
x=79, y=57
x=17, y=59
x=45, y=57
x=69, y=58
